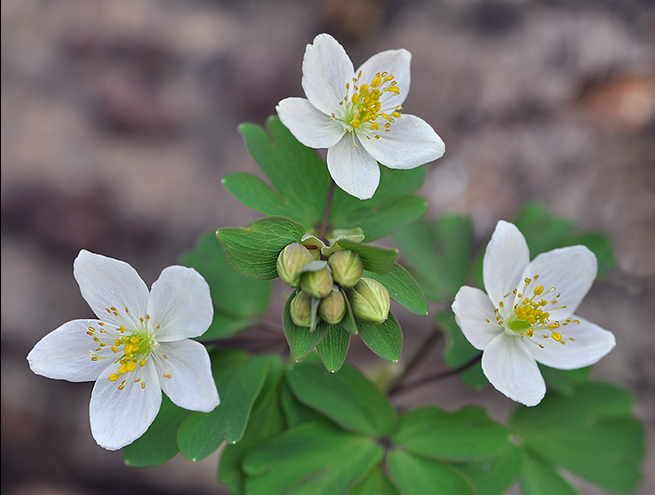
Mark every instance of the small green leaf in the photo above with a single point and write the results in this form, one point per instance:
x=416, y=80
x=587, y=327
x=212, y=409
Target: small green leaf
x=237, y=299
x=266, y=421
x=542, y=230
x=295, y=411
x=253, y=250
x=202, y=433
x=375, y=259
x=301, y=341
x=297, y=173
x=384, y=339
x=333, y=349
x=375, y=483
x=590, y=433
x=311, y=459
x=347, y=397
x=494, y=475
x=403, y=289
x=158, y=445
x=459, y=351
x=439, y=252
x=419, y=476
x=565, y=381
x=539, y=478
x=256, y=194
x=466, y=434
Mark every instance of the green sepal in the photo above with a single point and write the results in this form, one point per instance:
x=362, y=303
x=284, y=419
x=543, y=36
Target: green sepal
x=402, y=288
x=384, y=339
x=253, y=250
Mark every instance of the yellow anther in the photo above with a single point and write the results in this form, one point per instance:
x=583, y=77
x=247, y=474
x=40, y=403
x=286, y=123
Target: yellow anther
x=396, y=114
x=131, y=366
x=142, y=363
x=501, y=304
x=557, y=336
x=356, y=123
x=538, y=290
x=377, y=80
x=143, y=385
x=393, y=89
x=134, y=339
x=122, y=370
x=113, y=377
x=167, y=375
x=355, y=99
x=114, y=348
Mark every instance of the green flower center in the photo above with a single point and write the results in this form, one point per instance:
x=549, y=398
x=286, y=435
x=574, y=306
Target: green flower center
x=362, y=106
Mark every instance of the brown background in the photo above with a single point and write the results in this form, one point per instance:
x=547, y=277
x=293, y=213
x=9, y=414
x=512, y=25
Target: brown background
x=119, y=121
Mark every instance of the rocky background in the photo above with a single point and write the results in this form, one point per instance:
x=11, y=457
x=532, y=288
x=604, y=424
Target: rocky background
x=119, y=121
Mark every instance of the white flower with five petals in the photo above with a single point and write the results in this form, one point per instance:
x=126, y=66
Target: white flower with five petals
x=526, y=315
x=138, y=346
x=357, y=115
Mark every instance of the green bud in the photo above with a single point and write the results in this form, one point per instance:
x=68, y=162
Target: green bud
x=291, y=261
x=301, y=309
x=370, y=301
x=347, y=267
x=333, y=307
x=318, y=283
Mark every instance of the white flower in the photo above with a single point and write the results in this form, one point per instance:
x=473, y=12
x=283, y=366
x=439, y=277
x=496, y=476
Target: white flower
x=526, y=316
x=136, y=348
x=357, y=115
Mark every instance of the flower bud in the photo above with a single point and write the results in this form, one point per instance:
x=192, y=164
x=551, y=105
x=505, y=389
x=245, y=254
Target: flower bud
x=301, y=309
x=318, y=283
x=333, y=307
x=370, y=301
x=347, y=267
x=291, y=261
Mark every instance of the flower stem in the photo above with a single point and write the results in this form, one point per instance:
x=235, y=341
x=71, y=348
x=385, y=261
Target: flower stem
x=326, y=211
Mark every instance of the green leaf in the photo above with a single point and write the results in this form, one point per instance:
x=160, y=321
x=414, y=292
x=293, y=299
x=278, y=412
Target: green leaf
x=439, y=252
x=256, y=194
x=418, y=476
x=232, y=293
x=297, y=174
x=565, y=381
x=253, y=250
x=403, y=289
x=225, y=326
x=466, y=434
x=375, y=483
x=459, y=351
x=301, y=341
x=295, y=411
x=347, y=397
x=333, y=349
x=590, y=433
x=311, y=459
x=158, y=445
x=202, y=433
x=391, y=208
x=266, y=421
x=542, y=230
x=494, y=475
x=539, y=478
x=375, y=259
x=384, y=339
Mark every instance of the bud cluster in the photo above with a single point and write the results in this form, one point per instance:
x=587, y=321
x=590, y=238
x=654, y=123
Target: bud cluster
x=325, y=278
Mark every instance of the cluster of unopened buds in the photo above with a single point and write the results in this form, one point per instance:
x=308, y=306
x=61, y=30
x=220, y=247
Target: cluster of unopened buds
x=330, y=283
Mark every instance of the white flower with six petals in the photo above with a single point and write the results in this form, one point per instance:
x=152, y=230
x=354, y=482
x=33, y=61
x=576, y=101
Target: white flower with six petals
x=357, y=116
x=526, y=315
x=138, y=346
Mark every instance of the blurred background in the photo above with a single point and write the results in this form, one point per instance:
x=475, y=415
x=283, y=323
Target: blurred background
x=119, y=121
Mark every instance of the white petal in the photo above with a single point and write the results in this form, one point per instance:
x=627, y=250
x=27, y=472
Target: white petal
x=397, y=64
x=181, y=304
x=310, y=126
x=571, y=270
x=326, y=69
x=510, y=367
x=475, y=316
x=352, y=168
x=411, y=142
x=106, y=283
x=118, y=417
x=191, y=384
x=504, y=260
x=590, y=344
x=63, y=354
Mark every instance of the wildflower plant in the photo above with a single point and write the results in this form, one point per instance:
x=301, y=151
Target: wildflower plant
x=294, y=416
